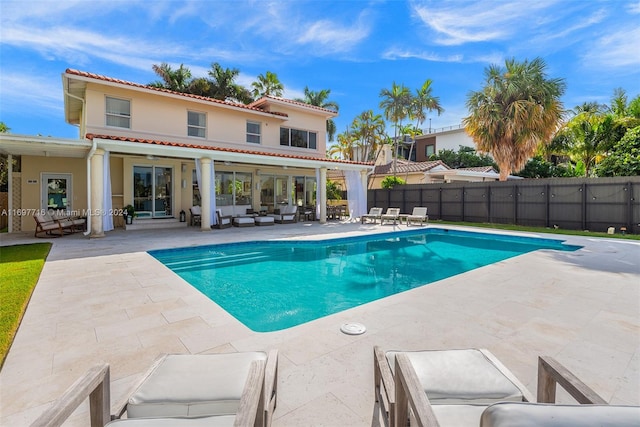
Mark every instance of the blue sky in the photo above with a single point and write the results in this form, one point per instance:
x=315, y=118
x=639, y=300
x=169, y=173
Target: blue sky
x=353, y=48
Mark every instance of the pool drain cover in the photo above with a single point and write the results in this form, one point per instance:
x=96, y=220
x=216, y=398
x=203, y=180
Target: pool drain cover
x=353, y=328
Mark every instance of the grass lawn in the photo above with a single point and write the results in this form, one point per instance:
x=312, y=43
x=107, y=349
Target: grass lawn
x=618, y=235
x=20, y=268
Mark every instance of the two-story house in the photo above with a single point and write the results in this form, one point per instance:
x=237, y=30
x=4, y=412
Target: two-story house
x=164, y=152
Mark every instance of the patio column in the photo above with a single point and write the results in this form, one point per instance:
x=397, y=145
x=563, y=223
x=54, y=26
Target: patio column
x=322, y=196
x=205, y=194
x=97, y=190
x=365, y=185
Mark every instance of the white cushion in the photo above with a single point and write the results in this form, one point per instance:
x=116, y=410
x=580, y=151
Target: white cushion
x=243, y=220
x=459, y=376
x=549, y=415
x=264, y=220
x=219, y=421
x=193, y=385
x=458, y=415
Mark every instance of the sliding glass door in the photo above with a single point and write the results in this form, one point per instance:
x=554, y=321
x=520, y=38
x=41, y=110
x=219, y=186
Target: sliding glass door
x=152, y=191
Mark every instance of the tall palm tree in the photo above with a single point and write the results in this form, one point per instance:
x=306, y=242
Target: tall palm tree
x=396, y=104
x=423, y=102
x=369, y=130
x=267, y=84
x=176, y=80
x=320, y=99
x=518, y=109
x=224, y=87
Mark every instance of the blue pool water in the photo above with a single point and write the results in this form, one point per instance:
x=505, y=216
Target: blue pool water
x=275, y=285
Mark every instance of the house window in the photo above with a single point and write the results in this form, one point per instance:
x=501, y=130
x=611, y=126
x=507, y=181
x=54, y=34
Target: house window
x=298, y=138
x=253, y=132
x=118, y=112
x=429, y=150
x=196, y=124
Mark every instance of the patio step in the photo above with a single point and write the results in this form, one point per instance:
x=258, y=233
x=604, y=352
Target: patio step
x=155, y=224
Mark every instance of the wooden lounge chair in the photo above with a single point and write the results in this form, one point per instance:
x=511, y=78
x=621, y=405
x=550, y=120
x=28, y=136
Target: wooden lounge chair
x=48, y=226
x=393, y=214
x=419, y=215
x=471, y=387
x=480, y=379
x=374, y=214
x=75, y=223
x=234, y=389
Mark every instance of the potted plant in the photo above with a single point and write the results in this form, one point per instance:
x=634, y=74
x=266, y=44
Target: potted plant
x=128, y=212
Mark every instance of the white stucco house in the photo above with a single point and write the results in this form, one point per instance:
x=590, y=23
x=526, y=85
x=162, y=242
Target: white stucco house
x=164, y=152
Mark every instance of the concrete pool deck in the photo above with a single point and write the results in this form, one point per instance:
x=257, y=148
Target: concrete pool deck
x=107, y=300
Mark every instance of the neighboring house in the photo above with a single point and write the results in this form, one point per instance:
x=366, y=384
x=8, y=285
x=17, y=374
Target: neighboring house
x=425, y=172
x=449, y=138
x=164, y=152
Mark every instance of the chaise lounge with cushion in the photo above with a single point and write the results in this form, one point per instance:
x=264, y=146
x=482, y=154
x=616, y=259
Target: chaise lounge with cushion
x=470, y=387
x=374, y=214
x=419, y=216
x=233, y=389
x=392, y=214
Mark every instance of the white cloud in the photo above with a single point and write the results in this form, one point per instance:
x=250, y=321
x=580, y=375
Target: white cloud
x=618, y=49
x=332, y=37
x=396, y=53
x=31, y=92
x=634, y=8
x=476, y=22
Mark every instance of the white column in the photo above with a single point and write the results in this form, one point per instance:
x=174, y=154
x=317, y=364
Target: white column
x=97, y=190
x=205, y=194
x=365, y=186
x=10, y=192
x=322, y=190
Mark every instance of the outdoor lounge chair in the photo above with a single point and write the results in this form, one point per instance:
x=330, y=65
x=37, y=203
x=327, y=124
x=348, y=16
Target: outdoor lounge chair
x=471, y=387
x=374, y=214
x=285, y=215
x=196, y=215
x=224, y=221
x=49, y=226
x=76, y=223
x=393, y=214
x=419, y=215
x=234, y=389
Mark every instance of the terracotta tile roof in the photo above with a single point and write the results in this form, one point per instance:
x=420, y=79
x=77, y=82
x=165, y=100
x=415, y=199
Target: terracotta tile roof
x=405, y=166
x=91, y=136
x=266, y=99
x=186, y=95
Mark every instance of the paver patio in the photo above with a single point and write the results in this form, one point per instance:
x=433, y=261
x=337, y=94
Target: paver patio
x=108, y=300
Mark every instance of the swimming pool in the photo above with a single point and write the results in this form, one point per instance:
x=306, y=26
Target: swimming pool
x=273, y=285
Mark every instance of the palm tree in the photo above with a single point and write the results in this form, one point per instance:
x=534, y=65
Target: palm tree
x=176, y=80
x=396, y=104
x=267, y=84
x=368, y=128
x=319, y=99
x=517, y=110
x=224, y=87
x=411, y=131
x=344, y=147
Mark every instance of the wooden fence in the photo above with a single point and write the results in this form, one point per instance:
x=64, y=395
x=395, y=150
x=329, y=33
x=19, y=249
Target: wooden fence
x=568, y=203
